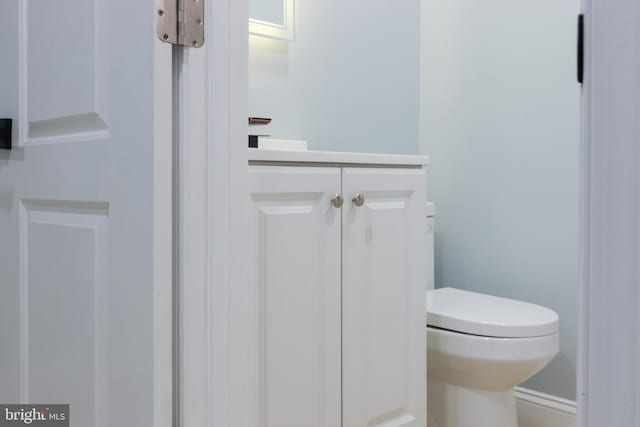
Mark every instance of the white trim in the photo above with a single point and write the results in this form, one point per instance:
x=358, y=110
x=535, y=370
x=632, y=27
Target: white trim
x=585, y=184
x=537, y=409
x=214, y=334
x=192, y=278
x=609, y=369
x=162, y=234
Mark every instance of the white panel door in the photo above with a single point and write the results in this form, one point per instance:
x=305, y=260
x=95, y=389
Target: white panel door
x=85, y=211
x=295, y=262
x=383, y=298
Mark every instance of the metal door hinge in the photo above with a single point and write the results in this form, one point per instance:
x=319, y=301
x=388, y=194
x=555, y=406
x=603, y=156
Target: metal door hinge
x=180, y=22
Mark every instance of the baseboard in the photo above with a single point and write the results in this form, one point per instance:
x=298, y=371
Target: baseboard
x=537, y=409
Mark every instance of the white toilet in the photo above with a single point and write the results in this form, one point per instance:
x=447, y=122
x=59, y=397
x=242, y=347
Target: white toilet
x=479, y=348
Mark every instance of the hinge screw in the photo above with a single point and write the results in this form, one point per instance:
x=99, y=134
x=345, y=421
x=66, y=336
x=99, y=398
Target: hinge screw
x=166, y=36
x=161, y=12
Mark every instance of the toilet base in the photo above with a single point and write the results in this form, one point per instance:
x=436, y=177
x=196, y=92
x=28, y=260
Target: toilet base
x=454, y=406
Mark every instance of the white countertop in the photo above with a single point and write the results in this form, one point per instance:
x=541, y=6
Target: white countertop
x=333, y=157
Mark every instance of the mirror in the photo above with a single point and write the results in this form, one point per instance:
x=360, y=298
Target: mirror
x=272, y=19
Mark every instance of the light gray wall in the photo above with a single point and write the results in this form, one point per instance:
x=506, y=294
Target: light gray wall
x=349, y=81
x=500, y=118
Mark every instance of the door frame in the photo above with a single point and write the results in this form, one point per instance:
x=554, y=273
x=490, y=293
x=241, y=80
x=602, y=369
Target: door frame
x=215, y=335
x=212, y=182
x=609, y=305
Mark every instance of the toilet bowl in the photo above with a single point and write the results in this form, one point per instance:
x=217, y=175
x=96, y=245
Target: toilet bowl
x=479, y=348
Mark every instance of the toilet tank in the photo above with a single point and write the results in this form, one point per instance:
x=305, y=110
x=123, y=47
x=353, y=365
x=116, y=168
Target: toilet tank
x=430, y=257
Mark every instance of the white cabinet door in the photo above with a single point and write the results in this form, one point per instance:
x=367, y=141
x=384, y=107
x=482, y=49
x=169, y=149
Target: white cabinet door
x=383, y=298
x=295, y=239
x=85, y=211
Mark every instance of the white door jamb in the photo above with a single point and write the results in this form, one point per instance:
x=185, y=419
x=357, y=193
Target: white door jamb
x=609, y=369
x=213, y=176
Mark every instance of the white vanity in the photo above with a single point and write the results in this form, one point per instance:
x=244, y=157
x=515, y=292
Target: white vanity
x=338, y=261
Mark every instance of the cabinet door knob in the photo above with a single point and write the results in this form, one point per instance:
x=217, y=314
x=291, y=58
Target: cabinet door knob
x=337, y=201
x=358, y=200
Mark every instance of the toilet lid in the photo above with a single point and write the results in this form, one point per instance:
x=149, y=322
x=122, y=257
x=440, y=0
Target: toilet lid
x=485, y=315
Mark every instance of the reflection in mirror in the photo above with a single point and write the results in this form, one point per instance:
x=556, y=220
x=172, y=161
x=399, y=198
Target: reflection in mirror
x=267, y=11
x=272, y=18
x=350, y=82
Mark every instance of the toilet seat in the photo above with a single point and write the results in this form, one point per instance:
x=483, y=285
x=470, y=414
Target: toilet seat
x=488, y=316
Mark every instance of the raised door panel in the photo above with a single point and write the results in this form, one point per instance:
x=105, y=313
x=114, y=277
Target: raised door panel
x=296, y=270
x=63, y=62
x=383, y=289
x=64, y=312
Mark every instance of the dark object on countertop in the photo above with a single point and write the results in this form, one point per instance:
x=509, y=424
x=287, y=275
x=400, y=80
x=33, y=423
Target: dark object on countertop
x=259, y=120
x=5, y=134
x=253, y=140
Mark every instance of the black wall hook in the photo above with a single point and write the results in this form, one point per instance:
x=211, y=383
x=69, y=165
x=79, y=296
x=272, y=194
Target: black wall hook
x=581, y=48
x=5, y=134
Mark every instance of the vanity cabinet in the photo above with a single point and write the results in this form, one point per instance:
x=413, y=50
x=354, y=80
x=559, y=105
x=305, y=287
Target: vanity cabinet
x=339, y=276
